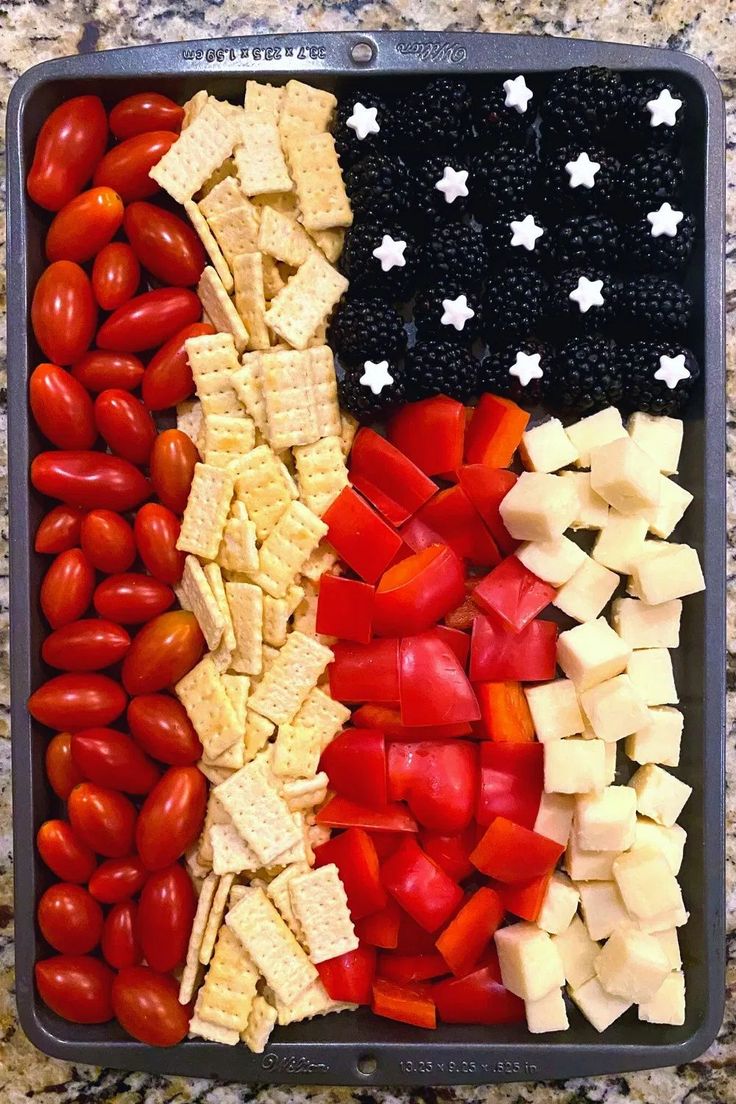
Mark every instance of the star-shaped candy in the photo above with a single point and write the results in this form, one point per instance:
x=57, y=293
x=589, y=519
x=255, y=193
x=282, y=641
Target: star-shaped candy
x=664, y=109
x=390, y=253
x=665, y=221
x=454, y=183
x=672, y=370
x=376, y=376
x=456, y=312
x=518, y=94
x=587, y=294
x=525, y=232
x=582, y=171
x=364, y=121
x=526, y=368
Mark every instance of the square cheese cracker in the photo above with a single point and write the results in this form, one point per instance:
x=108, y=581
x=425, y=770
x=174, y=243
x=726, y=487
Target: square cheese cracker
x=250, y=297
x=203, y=695
x=214, y=361
x=320, y=190
x=220, y=309
x=246, y=610
x=206, y=511
x=298, y=310
x=259, y=813
x=295, y=535
x=321, y=473
x=226, y=998
x=198, y=151
x=295, y=671
x=320, y=906
x=271, y=946
x=259, y=159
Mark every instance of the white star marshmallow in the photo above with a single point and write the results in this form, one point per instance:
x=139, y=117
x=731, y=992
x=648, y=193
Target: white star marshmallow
x=390, y=253
x=665, y=221
x=454, y=183
x=376, y=376
x=664, y=109
x=526, y=368
x=456, y=312
x=672, y=370
x=582, y=171
x=518, y=94
x=525, y=232
x=364, y=121
x=587, y=294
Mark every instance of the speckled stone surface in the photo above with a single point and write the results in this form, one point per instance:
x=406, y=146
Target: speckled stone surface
x=31, y=32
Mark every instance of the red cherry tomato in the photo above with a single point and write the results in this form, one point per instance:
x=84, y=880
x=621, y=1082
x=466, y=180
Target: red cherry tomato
x=64, y=312
x=148, y=320
x=168, y=379
x=70, y=919
x=165, y=917
x=89, y=479
x=110, y=758
x=130, y=599
x=88, y=645
x=64, y=853
x=107, y=541
x=70, y=143
x=164, y=244
x=66, y=590
x=62, y=408
x=104, y=819
x=77, y=987
x=120, y=943
x=99, y=369
x=117, y=879
x=173, y=457
x=125, y=424
x=162, y=652
x=116, y=275
x=126, y=166
x=61, y=770
x=147, y=1006
x=70, y=702
x=171, y=817
x=59, y=530
x=156, y=533
x=161, y=726
x=143, y=112
x=84, y=225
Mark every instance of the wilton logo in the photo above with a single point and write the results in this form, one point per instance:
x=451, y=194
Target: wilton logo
x=292, y=1063
x=433, y=51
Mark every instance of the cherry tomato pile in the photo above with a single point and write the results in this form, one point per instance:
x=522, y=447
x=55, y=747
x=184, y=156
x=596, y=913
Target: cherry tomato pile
x=111, y=313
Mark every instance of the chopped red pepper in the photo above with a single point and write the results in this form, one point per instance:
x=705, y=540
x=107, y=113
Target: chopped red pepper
x=420, y=886
x=388, y=720
x=339, y=812
x=408, y=1004
x=499, y=655
x=345, y=608
x=466, y=936
x=355, y=857
x=458, y=640
x=365, y=672
x=386, y=843
x=509, y=852
x=525, y=899
x=355, y=763
x=486, y=488
x=505, y=712
x=416, y=592
x=438, y=779
x=451, y=514
x=412, y=938
x=349, y=977
x=463, y=616
x=495, y=432
x=513, y=594
x=417, y=536
x=433, y=688
x=360, y=536
x=431, y=433
x=388, y=478
x=451, y=852
x=381, y=929
x=511, y=782
x=410, y=967
x=477, y=998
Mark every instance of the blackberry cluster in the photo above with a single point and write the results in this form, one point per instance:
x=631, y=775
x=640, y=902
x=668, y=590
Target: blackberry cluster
x=496, y=372
x=558, y=180
x=365, y=271
x=429, y=203
x=351, y=148
x=650, y=178
x=360, y=401
x=379, y=186
x=515, y=304
x=575, y=314
x=499, y=235
x=495, y=122
x=440, y=368
x=366, y=329
x=503, y=179
x=586, y=240
x=456, y=252
x=585, y=376
x=636, y=117
x=583, y=104
x=656, y=304
x=429, y=310
x=638, y=364
x=662, y=253
x=437, y=114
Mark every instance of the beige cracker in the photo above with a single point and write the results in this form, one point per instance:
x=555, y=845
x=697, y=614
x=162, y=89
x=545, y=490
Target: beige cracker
x=227, y=437
x=209, y=241
x=250, y=298
x=230, y=853
x=306, y=301
x=289, y=397
x=193, y=106
x=324, y=559
x=313, y=1001
x=236, y=230
x=238, y=550
x=259, y=813
x=223, y=197
x=199, y=1028
x=296, y=670
x=248, y=384
x=260, y=160
x=227, y=995
x=215, y=814
x=321, y=473
x=305, y=108
x=274, y=277
x=203, y=695
x=261, y=1023
x=276, y=614
x=320, y=190
x=321, y=907
x=263, y=102
x=324, y=382
x=206, y=511
x=246, y=609
x=226, y=169
x=190, y=974
x=330, y=242
x=282, y=237
x=297, y=533
x=219, y=307
x=280, y=201
x=221, y=655
x=321, y=717
x=305, y=793
x=258, y=731
x=278, y=892
x=271, y=946
x=190, y=420
x=348, y=429
x=214, y=360
x=194, y=593
x=263, y=483
x=198, y=151
x=238, y=689
x=214, y=920
x=214, y=775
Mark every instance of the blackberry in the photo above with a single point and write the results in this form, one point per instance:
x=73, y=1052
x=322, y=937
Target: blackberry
x=365, y=271
x=359, y=400
x=637, y=118
x=663, y=253
x=429, y=311
x=350, y=147
x=584, y=376
x=649, y=178
x=455, y=252
x=499, y=234
x=379, y=186
x=655, y=304
x=436, y=115
x=429, y=203
x=440, y=368
x=581, y=313
x=514, y=304
x=503, y=179
x=366, y=329
x=582, y=104
x=495, y=122
x=495, y=373
x=559, y=180
x=586, y=240
x=638, y=364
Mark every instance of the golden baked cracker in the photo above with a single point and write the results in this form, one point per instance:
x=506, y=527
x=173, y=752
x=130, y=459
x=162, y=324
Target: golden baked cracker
x=263, y=101
x=236, y=230
x=321, y=714
x=219, y=307
x=215, y=775
x=348, y=428
x=280, y=201
x=198, y=151
x=288, y=392
x=321, y=473
x=276, y=614
x=306, y=302
x=312, y=1001
x=273, y=280
x=277, y=891
x=322, y=561
x=194, y=593
x=226, y=998
x=190, y=420
x=261, y=1023
x=246, y=609
x=265, y=486
x=223, y=197
x=295, y=671
x=213, y=360
x=226, y=169
x=203, y=695
x=206, y=511
x=329, y=241
x=282, y=237
x=296, y=752
x=323, y=201
x=271, y=946
x=199, y=222
x=259, y=159
x=295, y=535
x=305, y=793
x=222, y=654
x=227, y=437
x=214, y=920
x=258, y=812
x=324, y=383
x=320, y=906
x=258, y=731
x=248, y=384
x=199, y=1028
x=238, y=550
x=193, y=106
x=192, y=966
x=230, y=853
x=305, y=108
x=215, y=814
x=250, y=298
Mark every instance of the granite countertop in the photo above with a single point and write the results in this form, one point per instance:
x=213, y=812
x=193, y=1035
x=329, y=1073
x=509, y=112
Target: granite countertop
x=33, y=32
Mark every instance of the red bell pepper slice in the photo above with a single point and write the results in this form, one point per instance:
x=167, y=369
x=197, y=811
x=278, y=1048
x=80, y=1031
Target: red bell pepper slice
x=513, y=594
x=386, y=843
x=451, y=852
x=416, y=592
x=388, y=720
x=486, y=488
x=420, y=886
x=477, y=998
x=408, y=1004
x=349, y=977
x=499, y=655
x=339, y=812
x=525, y=899
x=412, y=938
x=431, y=433
x=467, y=935
x=365, y=672
x=439, y=780
x=433, y=687
x=509, y=852
x=511, y=782
x=388, y=478
x=381, y=929
x=495, y=432
x=345, y=608
x=417, y=536
x=411, y=967
x=505, y=712
x=355, y=857
x=355, y=763
x=458, y=640
x=360, y=536
x=451, y=514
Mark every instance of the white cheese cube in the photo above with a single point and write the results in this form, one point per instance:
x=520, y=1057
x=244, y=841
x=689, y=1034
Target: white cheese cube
x=651, y=674
x=624, y=475
x=663, y=921
x=554, y=817
x=670, y=841
x=674, y=572
x=603, y=908
x=598, y=1006
x=587, y=592
x=606, y=821
x=553, y=561
x=530, y=963
x=574, y=766
x=657, y=741
x=674, y=500
x=595, y=430
x=632, y=965
x=591, y=653
x=610, y=764
x=588, y=866
x=554, y=709
x=667, y=1006
x=539, y=507
x=659, y=437
x=546, y=447
x=619, y=543
x=670, y=944
x=614, y=708
x=592, y=509
x=651, y=550
x=644, y=626
x=559, y=905
x=578, y=953
x=547, y=1014
x=659, y=795
x=647, y=886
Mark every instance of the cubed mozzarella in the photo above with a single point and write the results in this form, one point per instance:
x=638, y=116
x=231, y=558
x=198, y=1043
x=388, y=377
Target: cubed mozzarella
x=615, y=708
x=644, y=626
x=659, y=437
x=539, y=507
x=547, y=448
x=625, y=476
x=590, y=589
x=632, y=965
x=591, y=653
x=531, y=966
x=555, y=710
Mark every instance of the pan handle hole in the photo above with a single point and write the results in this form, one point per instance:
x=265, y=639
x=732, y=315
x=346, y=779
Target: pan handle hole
x=362, y=52
x=367, y=1065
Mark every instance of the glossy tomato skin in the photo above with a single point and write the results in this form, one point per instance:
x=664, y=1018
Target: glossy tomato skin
x=120, y=943
x=131, y=599
x=77, y=987
x=66, y=590
x=159, y=723
x=73, y=701
x=126, y=166
x=149, y=320
x=99, y=369
x=61, y=770
x=143, y=112
x=70, y=919
x=125, y=424
x=162, y=653
x=115, y=880
x=165, y=917
x=64, y=853
x=173, y=458
x=64, y=312
x=156, y=533
x=146, y=1005
x=84, y=225
x=103, y=818
x=88, y=645
x=168, y=379
x=116, y=275
x=171, y=817
x=110, y=758
x=62, y=408
x=107, y=541
x=70, y=143
x=90, y=480
x=164, y=244
x=59, y=530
